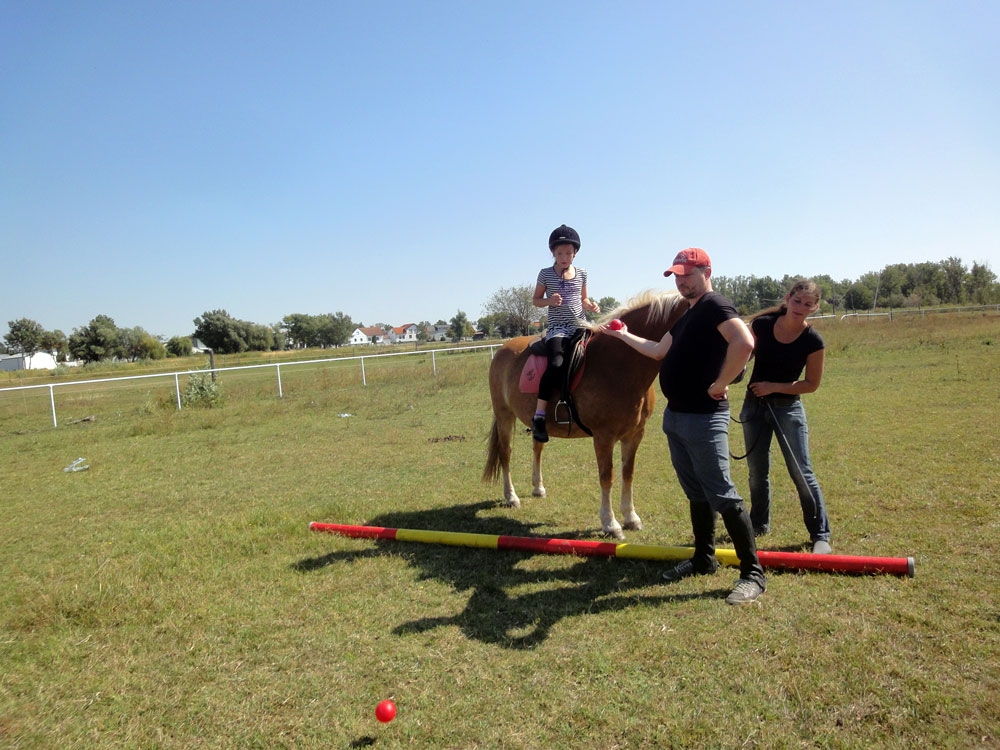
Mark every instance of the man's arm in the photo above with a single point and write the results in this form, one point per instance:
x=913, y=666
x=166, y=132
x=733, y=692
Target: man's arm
x=652, y=349
x=740, y=347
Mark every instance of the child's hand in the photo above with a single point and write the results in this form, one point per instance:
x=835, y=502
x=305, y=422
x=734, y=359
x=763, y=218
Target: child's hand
x=555, y=300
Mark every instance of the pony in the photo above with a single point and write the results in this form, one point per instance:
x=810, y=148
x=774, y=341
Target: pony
x=614, y=398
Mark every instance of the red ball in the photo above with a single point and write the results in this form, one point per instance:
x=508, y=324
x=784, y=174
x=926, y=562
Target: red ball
x=616, y=325
x=385, y=711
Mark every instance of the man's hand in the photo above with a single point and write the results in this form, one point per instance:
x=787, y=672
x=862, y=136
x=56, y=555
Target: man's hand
x=720, y=392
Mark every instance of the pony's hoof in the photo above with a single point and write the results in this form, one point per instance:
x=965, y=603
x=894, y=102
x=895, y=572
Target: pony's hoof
x=633, y=525
x=512, y=502
x=538, y=492
x=616, y=533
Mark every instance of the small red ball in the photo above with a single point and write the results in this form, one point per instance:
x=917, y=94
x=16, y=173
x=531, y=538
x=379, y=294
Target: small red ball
x=616, y=325
x=385, y=711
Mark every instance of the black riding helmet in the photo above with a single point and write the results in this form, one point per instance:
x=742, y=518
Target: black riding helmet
x=564, y=235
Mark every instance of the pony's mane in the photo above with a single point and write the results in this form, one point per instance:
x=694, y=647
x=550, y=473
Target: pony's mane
x=660, y=305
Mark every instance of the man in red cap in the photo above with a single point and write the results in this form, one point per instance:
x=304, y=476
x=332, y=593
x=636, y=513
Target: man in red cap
x=700, y=356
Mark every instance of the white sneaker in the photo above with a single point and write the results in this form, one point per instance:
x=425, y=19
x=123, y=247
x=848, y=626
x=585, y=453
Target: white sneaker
x=822, y=548
x=745, y=592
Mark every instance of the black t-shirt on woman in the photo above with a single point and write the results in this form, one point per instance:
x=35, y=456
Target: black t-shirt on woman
x=775, y=362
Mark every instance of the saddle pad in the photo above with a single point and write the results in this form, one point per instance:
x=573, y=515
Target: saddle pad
x=531, y=374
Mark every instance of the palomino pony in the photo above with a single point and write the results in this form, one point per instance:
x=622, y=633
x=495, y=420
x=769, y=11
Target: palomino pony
x=614, y=398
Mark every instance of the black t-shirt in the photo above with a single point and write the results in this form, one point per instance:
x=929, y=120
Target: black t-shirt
x=775, y=362
x=696, y=355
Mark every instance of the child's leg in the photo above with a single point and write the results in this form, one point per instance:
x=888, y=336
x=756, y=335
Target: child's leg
x=546, y=386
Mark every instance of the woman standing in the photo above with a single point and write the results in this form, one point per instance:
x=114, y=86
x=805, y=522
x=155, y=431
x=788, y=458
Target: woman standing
x=785, y=345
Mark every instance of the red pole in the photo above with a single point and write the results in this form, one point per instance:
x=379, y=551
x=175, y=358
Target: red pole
x=901, y=566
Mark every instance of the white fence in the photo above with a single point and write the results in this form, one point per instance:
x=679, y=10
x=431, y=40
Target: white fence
x=275, y=365
x=918, y=311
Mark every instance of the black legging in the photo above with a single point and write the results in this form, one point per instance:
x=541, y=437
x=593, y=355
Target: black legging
x=552, y=379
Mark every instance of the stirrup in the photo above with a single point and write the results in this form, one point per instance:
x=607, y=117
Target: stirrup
x=566, y=417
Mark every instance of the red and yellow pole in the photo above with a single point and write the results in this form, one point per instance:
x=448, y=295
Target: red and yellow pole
x=552, y=546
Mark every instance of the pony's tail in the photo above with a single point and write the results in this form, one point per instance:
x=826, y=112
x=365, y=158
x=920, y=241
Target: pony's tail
x=492, y=471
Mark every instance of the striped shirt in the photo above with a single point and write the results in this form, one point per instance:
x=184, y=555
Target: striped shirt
x=565, y=319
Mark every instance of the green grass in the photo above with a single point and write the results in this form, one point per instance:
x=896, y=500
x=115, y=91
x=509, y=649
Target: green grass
x=172, y=596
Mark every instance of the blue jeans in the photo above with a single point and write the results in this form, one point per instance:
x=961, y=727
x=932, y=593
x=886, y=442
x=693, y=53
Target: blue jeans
x=761, y=418
x=699, y=452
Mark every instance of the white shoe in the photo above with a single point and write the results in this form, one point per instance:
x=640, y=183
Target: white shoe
x=822, y=548
x=745, y=592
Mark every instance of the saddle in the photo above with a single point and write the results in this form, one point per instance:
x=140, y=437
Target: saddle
x=537, y=363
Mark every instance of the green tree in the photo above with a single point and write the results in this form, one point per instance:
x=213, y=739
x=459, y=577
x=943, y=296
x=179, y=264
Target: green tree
x=422, y=333
x=57, y=343
x=221, y=332
x=302, y=330
x=334, y=329
x=179, y=346
x=766, y=292
x=280, y=339
x=259, y=338
x=514, y=310
x=955, y=275
x=737, y=289
x=99, y=340
x=487, y=324
x=982, y=285
x=893, y=282
x=858, y=297
x=26, y=336
x=608, y=304
x=459, y=326
x=926, y=284
x=137, y=344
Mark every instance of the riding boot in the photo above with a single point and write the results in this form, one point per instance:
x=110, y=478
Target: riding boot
x=703, y=526
x=737, y=522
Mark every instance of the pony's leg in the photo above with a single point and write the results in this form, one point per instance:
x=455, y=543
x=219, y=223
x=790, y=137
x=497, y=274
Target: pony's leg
x=510, y=498
x=504, y=426
x=604, y=449
x=630, y=519
x=537, y=488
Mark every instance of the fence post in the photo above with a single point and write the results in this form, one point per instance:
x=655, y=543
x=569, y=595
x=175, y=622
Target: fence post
x=52, y=400
x=363, y=380
x=278, y=368
x=434, y=367
x=177, y=388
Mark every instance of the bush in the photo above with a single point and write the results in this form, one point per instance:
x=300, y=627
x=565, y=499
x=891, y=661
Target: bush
x=202, y=390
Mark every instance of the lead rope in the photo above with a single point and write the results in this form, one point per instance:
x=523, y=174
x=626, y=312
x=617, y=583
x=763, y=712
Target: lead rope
x=756, y=437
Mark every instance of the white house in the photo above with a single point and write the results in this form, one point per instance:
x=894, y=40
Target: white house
x=368, y=335
x=36, y=361
x=404, y=334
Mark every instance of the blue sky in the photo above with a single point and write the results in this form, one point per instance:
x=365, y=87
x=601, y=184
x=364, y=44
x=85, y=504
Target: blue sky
x=401, y=161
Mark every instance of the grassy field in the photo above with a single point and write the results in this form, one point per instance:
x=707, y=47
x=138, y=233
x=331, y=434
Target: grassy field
x=172, y=596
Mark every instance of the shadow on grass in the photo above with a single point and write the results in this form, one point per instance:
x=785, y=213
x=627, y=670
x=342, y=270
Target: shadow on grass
x=495, y=612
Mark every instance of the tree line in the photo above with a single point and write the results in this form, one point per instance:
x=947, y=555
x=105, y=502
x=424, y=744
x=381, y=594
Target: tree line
x=507, y=312
x=901, y=285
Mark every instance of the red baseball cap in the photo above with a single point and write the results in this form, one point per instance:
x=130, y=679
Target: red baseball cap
x=693, y=257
